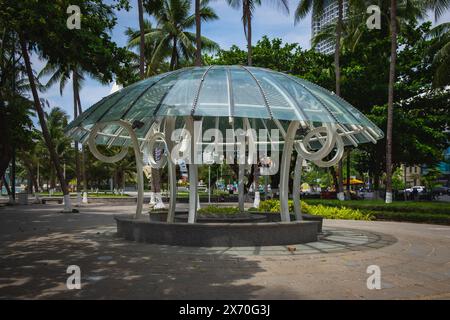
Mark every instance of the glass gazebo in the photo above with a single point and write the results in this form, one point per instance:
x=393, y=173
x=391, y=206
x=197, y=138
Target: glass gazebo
x=176, y=111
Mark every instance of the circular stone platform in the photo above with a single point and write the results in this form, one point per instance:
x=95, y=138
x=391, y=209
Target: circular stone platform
x=223, y=218
x=217, y=234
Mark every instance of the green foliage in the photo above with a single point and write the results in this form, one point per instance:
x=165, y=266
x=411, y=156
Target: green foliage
x=275, y=55
x=320, y=210
x=171, y=37
x=214, y=210
x=430, y=178
x=337, y=213
x=381, y=206
x=421, y=217
x=43, y=24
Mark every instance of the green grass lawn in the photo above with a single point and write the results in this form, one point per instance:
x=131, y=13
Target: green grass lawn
x=412, y=211
x=90, y=195
x=379, y=205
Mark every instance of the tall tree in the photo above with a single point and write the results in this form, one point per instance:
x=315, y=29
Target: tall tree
x=45, y=132
x=171, y=33
x=248, y=8
x=141, y=40
x=317, y=6
x=133, y=42
x=198, y=35
x=15, y=107
x=90, y=45
x=390, y=110
x=442, y=32
x=438, y=6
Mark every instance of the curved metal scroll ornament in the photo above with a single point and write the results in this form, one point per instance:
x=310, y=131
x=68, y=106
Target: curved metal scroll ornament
x=157, y=136
x=333, y=139
x=123, y=152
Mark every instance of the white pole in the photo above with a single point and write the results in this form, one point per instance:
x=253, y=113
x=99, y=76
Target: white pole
x=209, y=184
x=193, y=194
x=284, y=170
x=38, y=176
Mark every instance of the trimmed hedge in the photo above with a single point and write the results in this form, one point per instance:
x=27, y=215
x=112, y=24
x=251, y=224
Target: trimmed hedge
x=421, y=217
x=396, y=206
x=319, y=210
x=213, y=210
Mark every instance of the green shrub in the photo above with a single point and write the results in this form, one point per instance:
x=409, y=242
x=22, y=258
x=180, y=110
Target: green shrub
x=396, y=206
x=319, y=210
x=218, y=210
x=436, y=218
x=338, y=213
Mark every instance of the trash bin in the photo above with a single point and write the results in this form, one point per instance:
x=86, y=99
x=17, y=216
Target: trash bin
x=23, y=198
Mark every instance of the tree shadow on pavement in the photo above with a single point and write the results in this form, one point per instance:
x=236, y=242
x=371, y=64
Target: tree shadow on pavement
x=38, y=246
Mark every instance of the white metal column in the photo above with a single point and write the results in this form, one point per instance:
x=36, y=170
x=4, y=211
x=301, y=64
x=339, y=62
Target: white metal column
x=171, y=166
x=284, y=170
x=121, y=155
x=193, y=173
x=296, y=188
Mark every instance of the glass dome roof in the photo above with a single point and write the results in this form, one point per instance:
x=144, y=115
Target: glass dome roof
x=226, y=92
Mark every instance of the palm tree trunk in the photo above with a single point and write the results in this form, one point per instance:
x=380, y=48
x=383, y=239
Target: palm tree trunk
x=142, y=40
x=5, y=143
x=249, y=35
x=8, y=190
x=391, y=101
x=348, y=174
x=174, y=54
x=198, y=35
x=48, y=140
x=75, y=115
x=337, y=71
x=83, y=153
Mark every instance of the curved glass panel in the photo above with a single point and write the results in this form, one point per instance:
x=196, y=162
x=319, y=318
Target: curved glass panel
x=247, y=97
x=219, y=94
x=214, y=98
x=181, y=95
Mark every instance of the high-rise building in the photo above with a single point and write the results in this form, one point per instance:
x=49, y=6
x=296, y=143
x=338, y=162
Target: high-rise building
x=329, y=15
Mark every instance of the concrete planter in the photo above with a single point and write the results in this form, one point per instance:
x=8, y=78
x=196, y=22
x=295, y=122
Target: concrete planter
x=275, y=217
x=217, y=234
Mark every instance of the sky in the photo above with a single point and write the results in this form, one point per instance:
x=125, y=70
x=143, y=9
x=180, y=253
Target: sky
x=226, y=31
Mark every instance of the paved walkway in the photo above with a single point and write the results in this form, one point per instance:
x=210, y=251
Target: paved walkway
x=37, y=244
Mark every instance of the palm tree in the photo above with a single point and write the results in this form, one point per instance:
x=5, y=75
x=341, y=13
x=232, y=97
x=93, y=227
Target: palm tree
x=141, y=40
x=198, y=34
x=393, y=25
x=441, y=59
x=438, y=6
x=248, y=7
x=317, y=7
x=62, y=74
x=173, y=20
x=133, y=41
x=442, y=32
x=41, y=115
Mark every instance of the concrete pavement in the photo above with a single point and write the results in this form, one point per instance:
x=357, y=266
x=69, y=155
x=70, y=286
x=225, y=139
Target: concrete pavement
x=38, y=244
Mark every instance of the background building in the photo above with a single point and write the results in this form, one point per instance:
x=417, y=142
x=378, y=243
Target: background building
x=413, y=175
x=329, y=15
